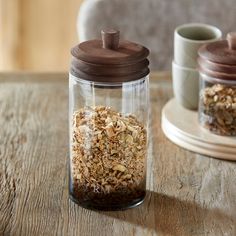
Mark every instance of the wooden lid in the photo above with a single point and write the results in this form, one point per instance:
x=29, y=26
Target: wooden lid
x=218, y=59
x=109, y=60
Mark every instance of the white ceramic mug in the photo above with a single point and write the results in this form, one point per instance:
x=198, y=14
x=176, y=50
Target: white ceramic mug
x=185, y=86
x=187, y=40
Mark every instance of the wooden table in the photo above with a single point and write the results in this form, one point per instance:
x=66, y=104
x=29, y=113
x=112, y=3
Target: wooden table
x=188, y=194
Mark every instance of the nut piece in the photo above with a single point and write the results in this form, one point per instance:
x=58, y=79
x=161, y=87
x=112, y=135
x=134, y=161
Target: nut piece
x=119, y=168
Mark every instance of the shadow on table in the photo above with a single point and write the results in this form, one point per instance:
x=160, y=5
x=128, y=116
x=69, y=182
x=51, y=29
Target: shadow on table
x=172, y=216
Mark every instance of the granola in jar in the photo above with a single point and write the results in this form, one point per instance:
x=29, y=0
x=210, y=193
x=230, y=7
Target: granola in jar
x=108, y=157
x=218, y=109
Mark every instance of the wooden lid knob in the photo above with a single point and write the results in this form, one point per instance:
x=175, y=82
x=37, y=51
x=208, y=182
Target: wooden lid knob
x=110, y=39
x=231, y=38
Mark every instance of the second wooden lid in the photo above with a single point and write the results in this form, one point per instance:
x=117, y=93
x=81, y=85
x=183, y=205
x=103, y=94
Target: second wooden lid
x=218, y=59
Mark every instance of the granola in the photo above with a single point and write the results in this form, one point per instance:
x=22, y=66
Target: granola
x=108, y=156
x=218, y=109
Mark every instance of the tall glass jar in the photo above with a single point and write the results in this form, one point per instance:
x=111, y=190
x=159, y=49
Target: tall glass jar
x=217, y=102
x=109, y=101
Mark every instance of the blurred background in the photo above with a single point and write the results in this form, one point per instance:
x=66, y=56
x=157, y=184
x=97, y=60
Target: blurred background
x=36, y=35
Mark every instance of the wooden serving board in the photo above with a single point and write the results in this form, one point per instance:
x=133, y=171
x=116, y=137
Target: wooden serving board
x=181, y=126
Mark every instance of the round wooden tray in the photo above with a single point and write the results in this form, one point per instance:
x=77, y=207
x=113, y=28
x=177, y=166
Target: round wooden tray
x=181, y=126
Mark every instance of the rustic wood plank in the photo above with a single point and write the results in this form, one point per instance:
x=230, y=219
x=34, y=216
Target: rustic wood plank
x=10, y=31
x=37, y=35
x=188, y=194
x=49, y=34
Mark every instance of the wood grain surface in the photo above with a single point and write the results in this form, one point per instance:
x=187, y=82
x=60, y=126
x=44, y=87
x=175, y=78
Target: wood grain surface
x=188, y=194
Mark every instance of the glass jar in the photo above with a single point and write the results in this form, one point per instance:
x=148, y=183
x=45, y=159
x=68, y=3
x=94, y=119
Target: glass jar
x=217, y=102
x=108, y=124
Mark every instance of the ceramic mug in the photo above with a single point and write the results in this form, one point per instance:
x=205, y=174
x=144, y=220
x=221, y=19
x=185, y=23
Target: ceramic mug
x=187, y=40
x=185, y=86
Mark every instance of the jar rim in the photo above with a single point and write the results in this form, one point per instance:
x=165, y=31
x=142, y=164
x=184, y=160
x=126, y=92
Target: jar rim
x=109, y=84
x=216, y=80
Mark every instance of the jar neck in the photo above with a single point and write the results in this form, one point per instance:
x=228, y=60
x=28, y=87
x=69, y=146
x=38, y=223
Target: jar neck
x=109, y=85
x=215, y=80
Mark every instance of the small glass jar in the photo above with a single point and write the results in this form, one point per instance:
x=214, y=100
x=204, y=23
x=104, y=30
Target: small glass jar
x=108, y=115
x=217, y=102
